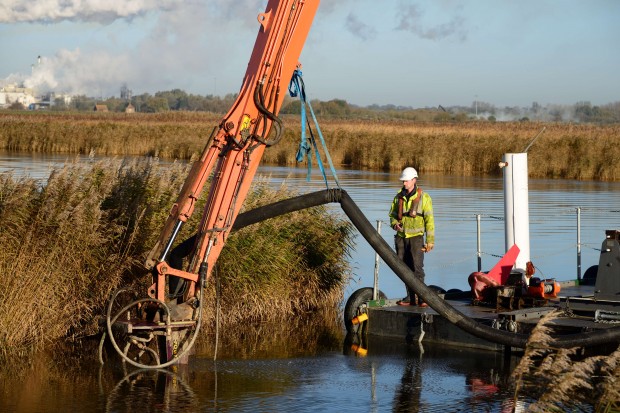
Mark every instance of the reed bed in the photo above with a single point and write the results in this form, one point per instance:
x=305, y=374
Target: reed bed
x=563, y=150
x=69, y=243
x=564, y=379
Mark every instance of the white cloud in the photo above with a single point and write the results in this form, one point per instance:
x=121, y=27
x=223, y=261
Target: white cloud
x=103, y=11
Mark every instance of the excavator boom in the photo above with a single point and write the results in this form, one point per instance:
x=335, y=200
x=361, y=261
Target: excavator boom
x=160, y=330
x=233, y=153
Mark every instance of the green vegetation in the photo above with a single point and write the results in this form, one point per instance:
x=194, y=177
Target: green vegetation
x=66, y=246
x=563, y=150
x=179, y=100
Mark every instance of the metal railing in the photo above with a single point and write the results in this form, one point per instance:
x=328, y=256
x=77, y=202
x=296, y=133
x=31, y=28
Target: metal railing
x=479, y=251
x=578, y=246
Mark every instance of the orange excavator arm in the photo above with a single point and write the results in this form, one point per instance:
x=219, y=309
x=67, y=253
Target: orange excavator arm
x=233, y=153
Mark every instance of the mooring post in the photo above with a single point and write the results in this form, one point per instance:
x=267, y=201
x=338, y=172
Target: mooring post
x=578, y=244
x=375, y=286
x=479, y=251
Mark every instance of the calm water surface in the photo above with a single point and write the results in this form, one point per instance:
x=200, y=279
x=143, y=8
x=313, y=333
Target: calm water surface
x=392, y=377
x=456, y=202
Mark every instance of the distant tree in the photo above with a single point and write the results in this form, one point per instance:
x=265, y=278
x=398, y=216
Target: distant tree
x=139, y=101
x=461, y=117
x=59, y=105
x=176, y=98
x=556, y=115
x=82, y=103
x=612, y=112
x=585, y=112
x=291, y=107
x=195, y=103
x=334, y=108
x=115, y=104
x=486, y=107
x=155, y=104
x=492, y=119
x=512, y=112
x=443, y=117
x=16, y=106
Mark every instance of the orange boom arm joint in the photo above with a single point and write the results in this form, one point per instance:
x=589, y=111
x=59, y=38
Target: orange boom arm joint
x=232, y=155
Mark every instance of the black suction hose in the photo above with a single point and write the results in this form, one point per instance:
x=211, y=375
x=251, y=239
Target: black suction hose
x=359, y=220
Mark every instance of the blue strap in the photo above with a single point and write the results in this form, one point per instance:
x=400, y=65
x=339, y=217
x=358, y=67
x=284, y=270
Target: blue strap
x=296, y=88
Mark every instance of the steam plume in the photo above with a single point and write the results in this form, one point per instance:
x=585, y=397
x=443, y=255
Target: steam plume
x=359, y=28
x=102, y=11
x=411, y=19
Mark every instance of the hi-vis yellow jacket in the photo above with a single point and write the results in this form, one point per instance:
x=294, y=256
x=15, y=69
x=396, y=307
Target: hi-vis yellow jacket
x=417, y=214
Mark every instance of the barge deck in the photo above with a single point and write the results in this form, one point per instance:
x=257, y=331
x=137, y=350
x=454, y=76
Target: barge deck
x=424, y=325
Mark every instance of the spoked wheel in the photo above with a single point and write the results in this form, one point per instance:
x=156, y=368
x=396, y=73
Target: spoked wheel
x=145, y=335
x=139, y=345
x=149, y=388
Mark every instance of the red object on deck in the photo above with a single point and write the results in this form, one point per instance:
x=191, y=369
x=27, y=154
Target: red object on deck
x=479, y=281
x=502, y=269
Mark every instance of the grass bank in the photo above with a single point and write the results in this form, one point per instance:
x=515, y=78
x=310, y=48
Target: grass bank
x=570, y=151
x=68, y=244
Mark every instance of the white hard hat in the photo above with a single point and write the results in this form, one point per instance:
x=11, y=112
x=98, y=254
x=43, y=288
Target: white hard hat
x=408, y=173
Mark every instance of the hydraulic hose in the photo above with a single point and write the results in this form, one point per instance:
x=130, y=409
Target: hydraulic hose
x=277, y=123
x=403, y=272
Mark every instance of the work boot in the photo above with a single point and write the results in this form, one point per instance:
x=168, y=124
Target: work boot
x=419, y=302
x=404, y=301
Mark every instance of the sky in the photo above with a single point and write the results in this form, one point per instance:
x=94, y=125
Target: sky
x=402, y=52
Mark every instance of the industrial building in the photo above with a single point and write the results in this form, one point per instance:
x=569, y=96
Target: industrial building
x=12, y=93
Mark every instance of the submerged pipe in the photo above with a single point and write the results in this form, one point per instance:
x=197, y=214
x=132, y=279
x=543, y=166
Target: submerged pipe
x=403, y=272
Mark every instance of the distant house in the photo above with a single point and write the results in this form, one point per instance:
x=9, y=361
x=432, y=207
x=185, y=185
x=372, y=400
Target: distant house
x=100, y=108
x=130, y=109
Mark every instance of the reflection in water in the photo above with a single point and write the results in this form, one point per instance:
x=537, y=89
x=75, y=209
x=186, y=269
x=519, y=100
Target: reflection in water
x=444, y=378
x=408, y=394
x=281, y=375
x=147, y=390
x=389, y=376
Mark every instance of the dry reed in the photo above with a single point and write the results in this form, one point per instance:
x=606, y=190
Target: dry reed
x=562, y=379
x=563, y=150
x=84, y=233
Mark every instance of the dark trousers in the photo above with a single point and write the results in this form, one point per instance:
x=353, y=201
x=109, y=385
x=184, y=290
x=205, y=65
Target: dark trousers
x=410, y=251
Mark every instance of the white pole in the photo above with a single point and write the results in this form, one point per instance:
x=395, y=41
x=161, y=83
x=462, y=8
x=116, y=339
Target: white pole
x=375, y=287
x=579, y=243
x=479, y=251
x=516, y=206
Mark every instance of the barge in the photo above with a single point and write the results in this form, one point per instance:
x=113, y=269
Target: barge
x=423, y=325
x=504, y=304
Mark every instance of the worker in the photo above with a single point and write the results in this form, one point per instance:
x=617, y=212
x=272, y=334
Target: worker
x=411, y=216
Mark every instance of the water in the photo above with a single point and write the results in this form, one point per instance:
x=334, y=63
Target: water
x=457, y=201
x=393, y=377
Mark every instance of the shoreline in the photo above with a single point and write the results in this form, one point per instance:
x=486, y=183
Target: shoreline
x=562, y=151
